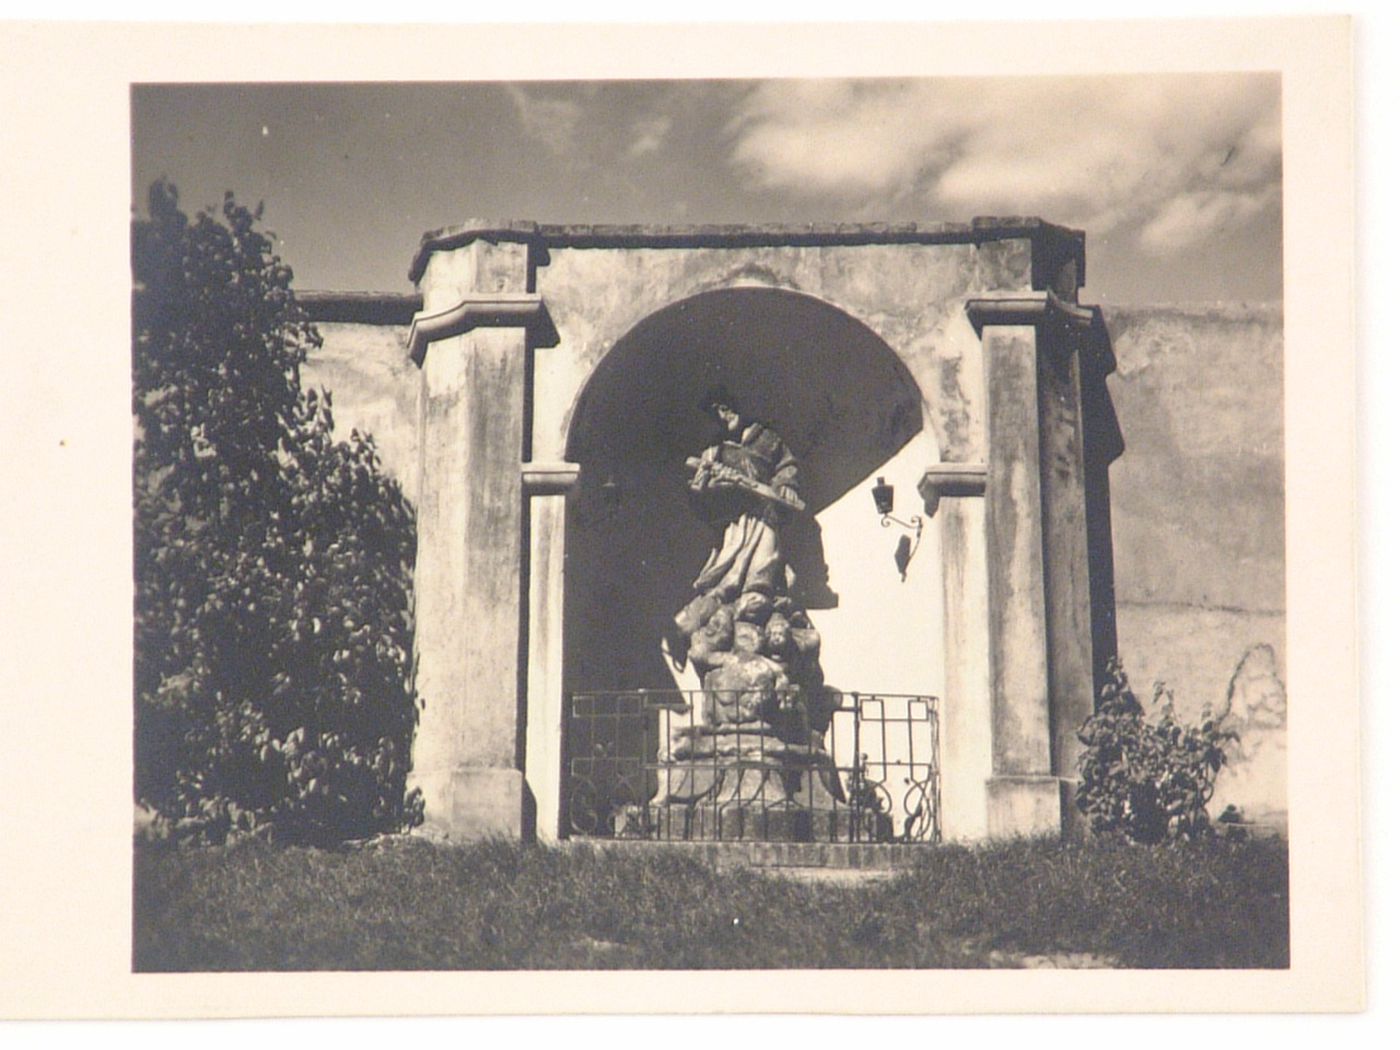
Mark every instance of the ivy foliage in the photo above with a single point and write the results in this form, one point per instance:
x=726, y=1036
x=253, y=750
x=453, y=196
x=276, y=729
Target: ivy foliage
x=273, y=625
x=1144, y=773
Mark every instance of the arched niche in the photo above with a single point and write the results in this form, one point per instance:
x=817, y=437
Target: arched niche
x=847, y=407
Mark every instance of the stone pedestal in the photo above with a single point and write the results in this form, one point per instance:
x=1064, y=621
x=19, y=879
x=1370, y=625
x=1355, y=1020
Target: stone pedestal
x=745, y=783
x=469, y=802
x=1026, y=806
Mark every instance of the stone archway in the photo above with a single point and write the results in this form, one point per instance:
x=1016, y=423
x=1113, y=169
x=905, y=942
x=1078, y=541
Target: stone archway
x=522, y=318
x=635, y=542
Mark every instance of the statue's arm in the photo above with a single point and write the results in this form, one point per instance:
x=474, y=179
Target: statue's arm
x=785, y=473
x=708, y=469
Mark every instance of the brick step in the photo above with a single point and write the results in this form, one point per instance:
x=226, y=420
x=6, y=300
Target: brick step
x=857, y=855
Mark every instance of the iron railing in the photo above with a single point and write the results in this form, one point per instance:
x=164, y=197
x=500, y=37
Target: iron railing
x=647, y=764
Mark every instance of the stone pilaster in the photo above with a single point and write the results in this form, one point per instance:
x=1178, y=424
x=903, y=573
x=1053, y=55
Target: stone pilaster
x=547, y=486
x=1103, y=444
x=1021, y=787
x=472, y=342
x=1065, y=533
x=1040, y=625
x=953, y=495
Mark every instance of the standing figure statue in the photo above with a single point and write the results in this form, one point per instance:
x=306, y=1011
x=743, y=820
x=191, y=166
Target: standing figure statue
x=749, y=480
x=741, y=630
x=754, y=746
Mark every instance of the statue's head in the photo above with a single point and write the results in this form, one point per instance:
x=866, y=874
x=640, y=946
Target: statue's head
x=721, y=404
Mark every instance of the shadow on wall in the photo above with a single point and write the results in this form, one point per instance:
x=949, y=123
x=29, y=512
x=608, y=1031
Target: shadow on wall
x=835, y=391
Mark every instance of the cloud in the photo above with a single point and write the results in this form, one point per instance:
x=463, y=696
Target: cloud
x=648, y=136
x=550, y=120
x=1171, y=158
x=841, y=138
x=1193, y=217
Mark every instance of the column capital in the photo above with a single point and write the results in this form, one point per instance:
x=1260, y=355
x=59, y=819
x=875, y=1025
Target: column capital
x=499, y=310
x=549, y=479
x=951, y=479
x=1044, y=308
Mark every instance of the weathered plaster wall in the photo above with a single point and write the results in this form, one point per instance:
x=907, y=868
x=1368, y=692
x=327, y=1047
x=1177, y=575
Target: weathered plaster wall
x=1198, y=521
x=374, y=389
x=910, y=296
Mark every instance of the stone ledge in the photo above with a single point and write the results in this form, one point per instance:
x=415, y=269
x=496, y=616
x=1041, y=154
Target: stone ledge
x=549, y=479
x=1062, y=241
x=376, y=308
x=1052, y=312
x=859, y=855
x=951, y=479
x=1045, y=309
x=503, y=310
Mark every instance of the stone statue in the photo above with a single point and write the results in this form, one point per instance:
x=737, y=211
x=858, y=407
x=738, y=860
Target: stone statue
x=750, y=480
x=750, y=761
x=746, y=485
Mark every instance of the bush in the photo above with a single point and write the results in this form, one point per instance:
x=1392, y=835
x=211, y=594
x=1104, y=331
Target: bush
x=273, y=563
x=1147, y=777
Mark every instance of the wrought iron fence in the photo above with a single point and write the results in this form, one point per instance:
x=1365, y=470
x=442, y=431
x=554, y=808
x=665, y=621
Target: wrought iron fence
x=653, y=764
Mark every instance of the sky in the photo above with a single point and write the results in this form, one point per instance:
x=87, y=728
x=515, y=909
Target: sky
x=1176, y=179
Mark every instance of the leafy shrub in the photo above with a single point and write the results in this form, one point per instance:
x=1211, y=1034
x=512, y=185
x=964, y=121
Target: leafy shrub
x=1148, y=777
x=273, y=563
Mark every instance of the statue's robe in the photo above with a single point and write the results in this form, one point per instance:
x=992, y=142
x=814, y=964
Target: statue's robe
x=748, y=558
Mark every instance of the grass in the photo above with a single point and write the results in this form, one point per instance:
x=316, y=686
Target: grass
x=407, y=904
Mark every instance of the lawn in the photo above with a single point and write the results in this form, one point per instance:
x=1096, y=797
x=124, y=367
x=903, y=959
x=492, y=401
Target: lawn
x=408, y=904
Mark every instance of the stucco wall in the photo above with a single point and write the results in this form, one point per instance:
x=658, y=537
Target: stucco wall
x=1198, y=523
x=910, y=296
x=374, y=388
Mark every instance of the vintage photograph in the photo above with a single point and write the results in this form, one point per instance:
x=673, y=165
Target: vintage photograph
x=795, y=497
x=681, y=520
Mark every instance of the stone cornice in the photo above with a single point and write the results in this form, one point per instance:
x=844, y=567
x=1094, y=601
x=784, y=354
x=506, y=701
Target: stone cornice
x=951, y=479
x=1043, y=309
x=488, y=311
x=1056, y=241
x=376, y=308
x=1048, y=310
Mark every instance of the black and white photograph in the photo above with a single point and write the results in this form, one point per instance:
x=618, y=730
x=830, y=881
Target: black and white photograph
x=721, y=523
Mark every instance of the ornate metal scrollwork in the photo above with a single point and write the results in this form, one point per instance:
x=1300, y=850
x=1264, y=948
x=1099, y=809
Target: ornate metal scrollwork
x=639, y=771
